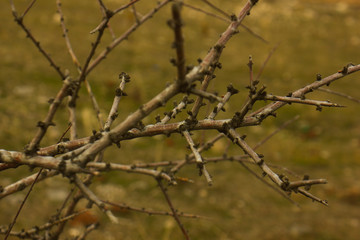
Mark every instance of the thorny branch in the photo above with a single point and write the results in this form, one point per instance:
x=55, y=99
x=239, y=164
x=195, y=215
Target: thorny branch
x=84, y=157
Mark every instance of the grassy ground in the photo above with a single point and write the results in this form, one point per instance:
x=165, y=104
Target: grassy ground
x=312, y=37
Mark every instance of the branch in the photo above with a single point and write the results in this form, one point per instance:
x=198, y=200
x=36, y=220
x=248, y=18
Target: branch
x=230, y=91
x=19, y=21
x=93, y=198
x=174, y=212
x=118, y=94
x=299, y=100
x=68, y=84
x=269, y=109
x=123, y=206
x=125, y=35
x=198, y=158
x=22, y=205
x=284, y=125
x=191, y=157
x=314, y=198
x=32, y=233
x=339, y=94
x=307, y=183
x=238, y=140
x=25, y=182
x=176, y=24
x=182, y=105
x=66, y=36
x=207, y=95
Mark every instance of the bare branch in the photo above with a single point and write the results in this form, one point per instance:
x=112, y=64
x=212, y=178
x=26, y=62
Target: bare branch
x=269, y=109
x=208, y=13
x=182, y=105
x=197, y=156
x=302, y=183
x=64, y=91
x=88, y=229
x=189, y=158
x=123, y=206
x=216, y=8
x=284, y=125
x=238, y=140
x=268, y=184
x=25, y=182
x=299, y=100
x=314, y=198
x=93, y=198
x=339, y=94
x=118, y=94
x=176, y=24
x=265, y=62
x=28, y=8
x=19, y=21
x=21, y=206
x=125, y=35
x=32, y=233
x=230, y=91
x=66, y=37
x=174, y=212
x=207, y=95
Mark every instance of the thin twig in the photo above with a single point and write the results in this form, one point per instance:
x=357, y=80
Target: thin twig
x=123, y=206
x=131, y=3
x=174, y=212
x=284, y=125
x=216, y=8
x=63, y=135
x=208, y=13
x=28, y=8
x=265, y=62
x=94, y=104
x=88, y=229
x=19, y=21
x=135, y=13
x=339, y=94
x=125, y=35
x=22, y=205
x=66, y=37
x=314, y=198
x=70, y=210
x=31, y=232
x=268, y=184
x=228, y=19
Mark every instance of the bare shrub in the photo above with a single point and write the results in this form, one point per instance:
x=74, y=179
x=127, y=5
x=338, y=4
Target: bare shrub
x=82, y=160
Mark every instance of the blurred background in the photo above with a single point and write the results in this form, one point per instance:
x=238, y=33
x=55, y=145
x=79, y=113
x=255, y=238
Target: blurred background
x=311, y=36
